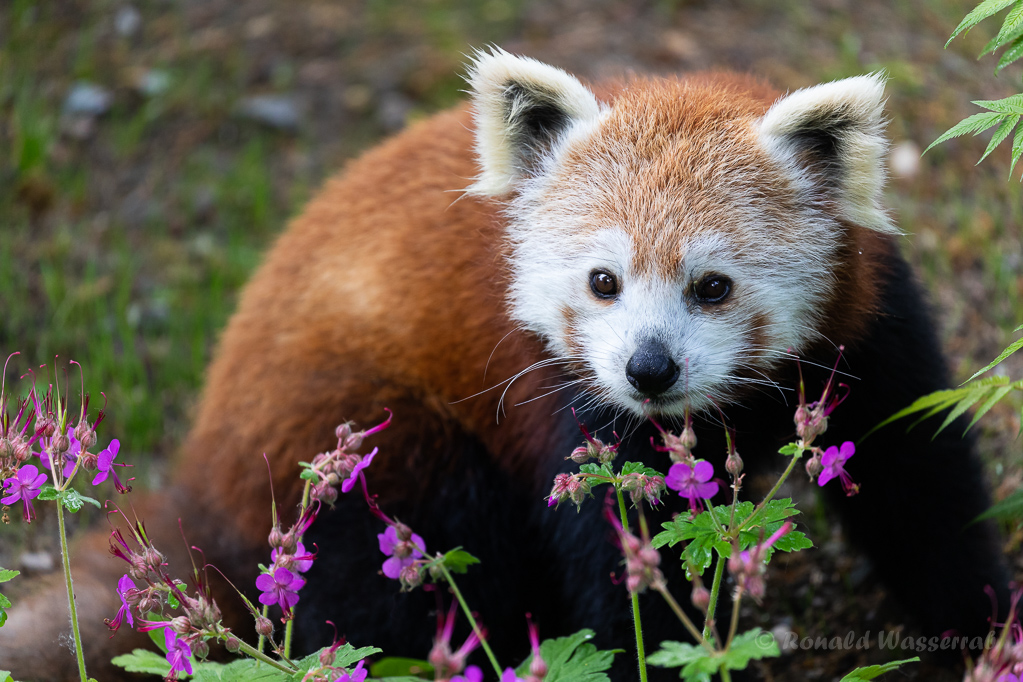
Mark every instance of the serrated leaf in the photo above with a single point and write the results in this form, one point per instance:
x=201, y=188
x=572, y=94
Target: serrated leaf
x=1012, y=104
x=965, y=403
x=8, y=574
x=639, y=468
x=696, y=662
x=5, y=603
x=71, y=500
x=975, y=124
x=1001, y=133
x=345, y=657
x=1000, y=40
x=871, y=671
x=409, y=668
x=459, y=561
x=1011, y=507
x=1011, y=54
x=47, y=492
x=1017, y=151
x=309, y=475
x=752, y=645
x=591, y=468
x=979, y=14
x=5, y=676
x=573, y=659
x=1015, y=345
x=143, y=661
x=1012, y=25
x=790, y=449
x=935, y=402
x=997, y=395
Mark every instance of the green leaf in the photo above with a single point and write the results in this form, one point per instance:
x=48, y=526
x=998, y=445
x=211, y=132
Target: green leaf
x=5, y=676
x=158, y=638
x=309, y=475
x=979, y=14
x=346, y=656
x=755, y=644
x=8, y=574
x=573, y=659
x=459, y=561
x=1012, y=25
x=996, y=395
x=968, y=401
x=47, y=492
x=871, y=671
x=5, y=603
x=1017, y=150
x=790, y=449
x=71, y=500
x=1011, y=54
x=639, y=468
x=1018, y=343
x=1008, y=105
x=1000, y=40
x=143, y=661
x=971, y=124
x=696, y=662
x=1001, y=133
x=1009, y=508
x=401, y=667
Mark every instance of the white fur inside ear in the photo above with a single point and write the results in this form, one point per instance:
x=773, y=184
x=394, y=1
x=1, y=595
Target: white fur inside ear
x=490, y=76
x=850, y=113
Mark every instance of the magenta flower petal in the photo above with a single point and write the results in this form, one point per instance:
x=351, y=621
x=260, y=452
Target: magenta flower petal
x=703, y=471
x=178, y=653
x=388, y=539
x=393, y=566
x=352, y=479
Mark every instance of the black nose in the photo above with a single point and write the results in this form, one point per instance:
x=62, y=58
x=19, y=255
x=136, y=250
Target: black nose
x=651, y=370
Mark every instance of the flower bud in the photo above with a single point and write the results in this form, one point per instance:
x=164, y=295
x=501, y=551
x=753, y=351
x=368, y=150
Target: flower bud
x=325, y=492
x=233, y=644
x=46, y=426
x=354, y=441
x=61, y=443
x=148, y=604
x=22, y=451
x=578, y=491
x=814, y=466
x=410, y=577
x=264, y=627
x=538, y=667
x=200, y=649
x=701, y=597
x=276, y=537
x=580, y=455
x=343, y=431
x=733, y=464
x=289, y=543
x=333, y=478
x=687, y=438
x=6, y=447
x=85, y=434
x=403, y=532
x=181, y=625
x=153, y=558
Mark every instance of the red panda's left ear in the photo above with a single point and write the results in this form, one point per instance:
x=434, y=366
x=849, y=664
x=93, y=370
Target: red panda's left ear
x=523, y=109
x=830, y=138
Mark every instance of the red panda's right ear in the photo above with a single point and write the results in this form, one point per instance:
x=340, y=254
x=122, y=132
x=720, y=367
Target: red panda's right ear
x=522, y=109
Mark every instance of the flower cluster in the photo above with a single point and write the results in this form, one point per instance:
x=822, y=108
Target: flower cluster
x=812, y=419
x=642, y=561
x=447, y=663
x=1002, y=661
x=342, y=465
x=404, y=550
x=643, y=487
x=680, y=447
x=572, y=487
x=593, y=448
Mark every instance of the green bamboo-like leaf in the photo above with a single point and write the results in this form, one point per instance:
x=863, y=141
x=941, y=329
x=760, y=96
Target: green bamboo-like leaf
x=1013, y=104
x=1018, y=343
x=966, y=403
x=1012, y=25
x=1011, y=54
x=1011, y=507
x=972, y=124
x=997, y=395
x=1000, y=40
x=1001, y=133
x=1017, y=150
x=979, y=14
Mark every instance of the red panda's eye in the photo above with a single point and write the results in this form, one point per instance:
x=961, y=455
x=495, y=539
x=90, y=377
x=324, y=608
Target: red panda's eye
x=603, y=284
x=713, y=289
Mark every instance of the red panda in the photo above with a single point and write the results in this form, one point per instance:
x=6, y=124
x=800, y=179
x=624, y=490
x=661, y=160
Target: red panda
x=628, y=249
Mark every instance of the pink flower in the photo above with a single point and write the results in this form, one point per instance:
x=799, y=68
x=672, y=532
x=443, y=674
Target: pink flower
x=833, y=466
x=178, y=653
x=123, y=586
x=692, y=482
x=472, y=674
x=350, y=482
x=300, y=561
x=445, y=662
x=280, y=587
x=510, y=676
x=358, y=674
x=105, y=463
x=25, y=487
x=402, y=548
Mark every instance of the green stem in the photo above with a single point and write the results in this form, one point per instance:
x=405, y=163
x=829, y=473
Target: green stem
x=636, y=622
x=472, y=621
x=260, y=656
x=70, y=592
x=290, y=625
x=725, y=675
x=715, y=589
x=771, y=494
x=735, y=619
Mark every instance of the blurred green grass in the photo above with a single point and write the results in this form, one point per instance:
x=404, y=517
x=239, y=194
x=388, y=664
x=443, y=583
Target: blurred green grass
x=124, y=244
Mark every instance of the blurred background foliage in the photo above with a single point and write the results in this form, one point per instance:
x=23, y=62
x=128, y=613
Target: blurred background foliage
x=150, y=150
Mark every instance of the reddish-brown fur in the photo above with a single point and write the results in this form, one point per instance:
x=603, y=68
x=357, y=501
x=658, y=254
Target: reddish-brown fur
x=387, y=292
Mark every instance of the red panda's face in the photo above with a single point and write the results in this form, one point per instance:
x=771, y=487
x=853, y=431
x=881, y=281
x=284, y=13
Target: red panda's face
x=673, y=247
